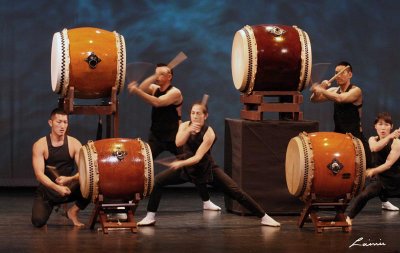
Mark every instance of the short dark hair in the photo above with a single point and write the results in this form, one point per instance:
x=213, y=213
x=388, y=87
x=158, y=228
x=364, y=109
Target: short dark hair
x=345, y=63
x=165, y=65
x=57, y=111
x=204, y=106
x=385, y=116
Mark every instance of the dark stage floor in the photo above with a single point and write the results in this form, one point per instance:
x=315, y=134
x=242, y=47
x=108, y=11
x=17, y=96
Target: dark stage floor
x=182, y=226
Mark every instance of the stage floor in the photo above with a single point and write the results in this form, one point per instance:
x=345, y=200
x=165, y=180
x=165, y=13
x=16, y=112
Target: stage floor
x=182, y=226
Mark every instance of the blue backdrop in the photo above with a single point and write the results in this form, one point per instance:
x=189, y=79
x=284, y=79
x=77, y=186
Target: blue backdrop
x=363, y=32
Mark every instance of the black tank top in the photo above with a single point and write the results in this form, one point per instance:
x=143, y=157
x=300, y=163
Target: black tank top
x=60, y=158
x=390, y=178
x=347, y=118
x=165, y=120
x=202, y=171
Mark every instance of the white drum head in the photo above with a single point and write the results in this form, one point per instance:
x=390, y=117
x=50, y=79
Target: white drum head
x=56, y=55
x=240, y=60
x=294, y=166
x=83, y=172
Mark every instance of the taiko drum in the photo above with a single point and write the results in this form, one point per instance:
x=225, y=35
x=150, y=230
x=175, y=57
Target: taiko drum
x=271, y=58
x=327, y=165
x=117, y=168
x=91, y=60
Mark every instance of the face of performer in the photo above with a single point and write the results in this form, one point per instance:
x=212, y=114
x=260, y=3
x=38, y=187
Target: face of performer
x=58, y=124
x=345, y=77
x=163, y=75
x=383, y=128
x=198, y=114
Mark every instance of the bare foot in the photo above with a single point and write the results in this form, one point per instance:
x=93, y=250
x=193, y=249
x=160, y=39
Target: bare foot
x=72, y=214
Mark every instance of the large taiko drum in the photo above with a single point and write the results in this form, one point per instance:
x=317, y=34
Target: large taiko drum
x=117, y=168
x=271, y=58
x=91, y=60
x=329, y=165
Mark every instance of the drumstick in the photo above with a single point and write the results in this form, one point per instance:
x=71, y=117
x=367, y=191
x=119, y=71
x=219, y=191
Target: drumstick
x=166, y=161
x=179, y=58
x=337, y=74
x=205, y=99
x=53, y=171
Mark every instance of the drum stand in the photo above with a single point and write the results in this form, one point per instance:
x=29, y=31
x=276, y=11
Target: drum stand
x=110, y=110
x=102, y=210
x=255, y=104
x=320, y=223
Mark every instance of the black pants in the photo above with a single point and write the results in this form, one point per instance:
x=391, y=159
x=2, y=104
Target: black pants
x=373, y=189
x=45, y=200
x=220, y=180
x=158, y=146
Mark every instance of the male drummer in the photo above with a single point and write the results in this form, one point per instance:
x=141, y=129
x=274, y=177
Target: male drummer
x=53, y=158
x=347, y=99
x=166, y=101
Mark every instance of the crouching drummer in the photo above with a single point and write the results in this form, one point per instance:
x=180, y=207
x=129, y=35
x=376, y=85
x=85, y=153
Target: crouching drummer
x=53, y=158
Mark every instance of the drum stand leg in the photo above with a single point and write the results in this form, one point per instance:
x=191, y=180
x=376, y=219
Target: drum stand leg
x=312, y=207
x=102, y=209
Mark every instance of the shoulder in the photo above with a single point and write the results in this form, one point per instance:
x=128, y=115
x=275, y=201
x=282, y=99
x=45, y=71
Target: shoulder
x=73, y=142
x=40, y=144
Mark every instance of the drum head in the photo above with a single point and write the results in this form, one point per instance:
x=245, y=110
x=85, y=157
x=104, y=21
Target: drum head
x=56, y=56
x=294, y=166
x=83, y=173
x=240, y=60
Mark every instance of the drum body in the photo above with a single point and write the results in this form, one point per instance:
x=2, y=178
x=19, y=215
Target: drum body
x=329, y=165
x=91, y=60
x=271, y=58
x=117, y=168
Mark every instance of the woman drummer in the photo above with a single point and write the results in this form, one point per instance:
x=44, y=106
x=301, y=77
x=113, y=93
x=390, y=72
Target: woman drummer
x=198, y=167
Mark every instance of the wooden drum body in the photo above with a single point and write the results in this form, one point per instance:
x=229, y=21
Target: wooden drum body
x=327, y=164
x=91, y=60
x=271, y=58
x=117, y=168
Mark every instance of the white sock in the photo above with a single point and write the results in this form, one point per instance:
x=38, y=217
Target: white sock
x=208, y=205
x=268, y=221
x=150, y=219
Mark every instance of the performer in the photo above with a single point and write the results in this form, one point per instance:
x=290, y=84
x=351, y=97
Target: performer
x=166, y=101
x=386, y=149
x=347, y=99
x=53, y=158
x=198, y=167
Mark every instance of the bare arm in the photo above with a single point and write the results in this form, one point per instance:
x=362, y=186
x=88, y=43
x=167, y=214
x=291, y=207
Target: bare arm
x=352, y=96
x=376, y=145
x=390, y=160
x=147, y=86
x=38, y=163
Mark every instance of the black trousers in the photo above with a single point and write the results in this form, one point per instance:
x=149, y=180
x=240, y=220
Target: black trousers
x=45, y=200
x=158, y=146
x=372, y=190
x=220, y=181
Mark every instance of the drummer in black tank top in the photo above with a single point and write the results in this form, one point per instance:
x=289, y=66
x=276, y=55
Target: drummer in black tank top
x=386, y=149
x=53, y=158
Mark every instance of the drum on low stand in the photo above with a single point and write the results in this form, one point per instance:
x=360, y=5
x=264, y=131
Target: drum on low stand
x=325, y=170
x=115, y=169
x=271, y=58
x=91, y=60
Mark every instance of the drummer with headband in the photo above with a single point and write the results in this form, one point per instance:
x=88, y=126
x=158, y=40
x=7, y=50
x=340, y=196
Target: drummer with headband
x=166, y=101
x=53, y=158
x=348, y=100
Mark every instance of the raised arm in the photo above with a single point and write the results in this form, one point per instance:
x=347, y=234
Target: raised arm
x=352, y=96
x=390, y=160
x=376, y=145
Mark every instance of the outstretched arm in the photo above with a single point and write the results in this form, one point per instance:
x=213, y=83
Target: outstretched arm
x=390, y=160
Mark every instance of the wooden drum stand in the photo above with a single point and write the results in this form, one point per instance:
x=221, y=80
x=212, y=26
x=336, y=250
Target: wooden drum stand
x=313, y=206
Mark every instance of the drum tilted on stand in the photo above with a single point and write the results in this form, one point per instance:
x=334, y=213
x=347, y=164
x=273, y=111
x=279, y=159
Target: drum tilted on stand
x=327, y=164
x=271, y=58
x=117, y=168
x=91, y=60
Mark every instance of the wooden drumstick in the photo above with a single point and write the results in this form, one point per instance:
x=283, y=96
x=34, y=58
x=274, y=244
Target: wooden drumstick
x=205, y=99
x=179, y=58
x=53, y=171
x=337, y=74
